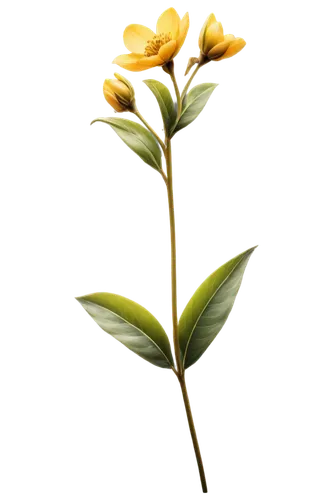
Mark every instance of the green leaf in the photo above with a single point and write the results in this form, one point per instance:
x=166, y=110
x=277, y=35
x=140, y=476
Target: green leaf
x=165, y=102
x=209, y=308
x=131, y=324
x=136, y=137
x=194, y=103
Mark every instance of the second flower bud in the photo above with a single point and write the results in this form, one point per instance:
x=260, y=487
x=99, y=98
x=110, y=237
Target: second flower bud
x=214, y=44
x=119, y=93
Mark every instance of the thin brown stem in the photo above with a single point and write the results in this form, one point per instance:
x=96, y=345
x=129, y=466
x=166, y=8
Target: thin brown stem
x=193, y=433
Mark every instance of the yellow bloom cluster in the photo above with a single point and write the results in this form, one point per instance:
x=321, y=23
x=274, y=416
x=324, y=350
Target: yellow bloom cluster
x=149, y=49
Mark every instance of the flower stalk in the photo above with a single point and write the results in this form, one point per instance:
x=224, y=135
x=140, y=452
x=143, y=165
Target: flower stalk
x=146, y=124
x=189, y=82
x=168, y=159
x=179, y=372
x=170, y=69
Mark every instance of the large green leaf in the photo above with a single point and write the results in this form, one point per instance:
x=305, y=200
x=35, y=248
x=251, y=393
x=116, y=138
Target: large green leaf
x=165, y=102
x=194, y=103
x=136, y=137
x=131, y=324
x=209, y=308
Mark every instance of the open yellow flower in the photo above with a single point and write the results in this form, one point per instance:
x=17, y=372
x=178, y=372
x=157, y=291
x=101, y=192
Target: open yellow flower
x=149, y=49
x=214, y=45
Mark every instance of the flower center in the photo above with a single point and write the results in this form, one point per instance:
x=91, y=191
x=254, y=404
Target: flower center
x=154, y=45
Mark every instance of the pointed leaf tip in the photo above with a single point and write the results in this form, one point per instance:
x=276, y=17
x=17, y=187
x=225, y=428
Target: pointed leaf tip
x=137, y=138
x=131, y=324
x=209, y=308
x=165, y=102
x=195, y=102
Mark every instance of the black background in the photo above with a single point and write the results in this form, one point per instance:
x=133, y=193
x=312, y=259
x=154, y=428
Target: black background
x=126, y=437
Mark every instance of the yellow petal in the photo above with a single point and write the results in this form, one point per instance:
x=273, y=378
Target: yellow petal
x=183, y=29
x=218, y=51
x=126, y=82
x=235, y=46
x=213, y=36
x=137, y=62
x=126, y=59
x=123, y=79
x=111, y=101
x=167, y=50
x=106, y=93
x=169, y=22
x=121, y=89
x=210, y=20
x=136, y=37
x=150, y=62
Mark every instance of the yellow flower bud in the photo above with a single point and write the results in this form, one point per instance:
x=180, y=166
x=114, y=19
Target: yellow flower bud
x=214, y=45
x=119, y=93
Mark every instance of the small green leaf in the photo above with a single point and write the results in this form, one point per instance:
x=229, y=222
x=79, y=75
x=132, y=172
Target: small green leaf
x=136, y=137
x=194, y=103
x=209, y=308
x=131, y=324
x=165, y=102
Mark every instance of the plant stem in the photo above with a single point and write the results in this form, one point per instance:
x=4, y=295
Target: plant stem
x=159, y=140
x=173, y=286
x=164, y=177
x=169, y=184
x=175, y=84
x=196, y=447
x=189, y=82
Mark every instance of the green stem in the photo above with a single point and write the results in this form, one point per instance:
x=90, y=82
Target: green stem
x=169, y=184
x=189, y=82
x=173, y=294
x=159, y=140
x=171, y=72
x=164, y=177
x=193, y=433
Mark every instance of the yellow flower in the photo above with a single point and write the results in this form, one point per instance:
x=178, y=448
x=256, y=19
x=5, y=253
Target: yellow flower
x=119, y=93
x=149, y=49
x=214, y=45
